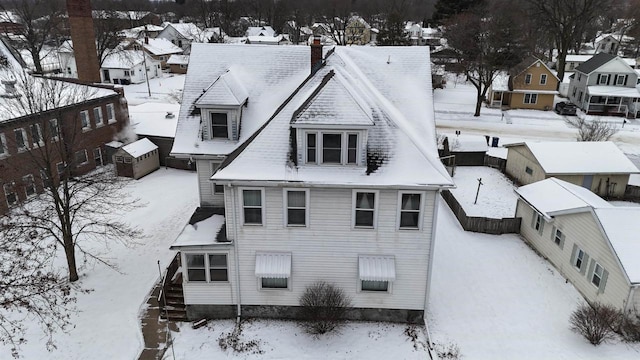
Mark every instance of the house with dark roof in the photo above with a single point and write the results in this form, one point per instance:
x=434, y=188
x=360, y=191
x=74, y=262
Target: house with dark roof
x=530, y=85
x=592, y=243
x=313, y=165
x=605, y=85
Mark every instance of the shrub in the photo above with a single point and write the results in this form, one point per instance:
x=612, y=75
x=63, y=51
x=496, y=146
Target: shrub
x=630, y=327
x=323, y=306
x=595, y=322
x=448, y=351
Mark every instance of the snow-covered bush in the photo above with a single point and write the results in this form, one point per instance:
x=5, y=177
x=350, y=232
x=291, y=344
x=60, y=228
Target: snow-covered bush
x=449, y=351
x=323, y=306
x=596, y=322
x=630, y=327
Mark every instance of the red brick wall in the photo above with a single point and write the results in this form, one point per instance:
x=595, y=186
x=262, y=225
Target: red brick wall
x=83, y=37
x=19, y=164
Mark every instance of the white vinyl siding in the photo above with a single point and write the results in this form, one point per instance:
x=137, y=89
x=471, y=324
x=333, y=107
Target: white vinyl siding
x=330, y=236
x=208, y=196
x=217, y=292
x=578, y=229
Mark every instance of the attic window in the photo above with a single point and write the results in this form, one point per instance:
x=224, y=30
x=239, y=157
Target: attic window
x=331, y=147
x=527, y=79
x=219, y=125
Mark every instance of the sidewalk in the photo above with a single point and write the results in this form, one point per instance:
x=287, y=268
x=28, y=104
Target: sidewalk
x=154, y=329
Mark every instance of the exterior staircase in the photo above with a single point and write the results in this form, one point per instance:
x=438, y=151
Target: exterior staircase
x=171, y=297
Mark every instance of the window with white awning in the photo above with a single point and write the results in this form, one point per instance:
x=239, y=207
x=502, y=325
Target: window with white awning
x=273, y=269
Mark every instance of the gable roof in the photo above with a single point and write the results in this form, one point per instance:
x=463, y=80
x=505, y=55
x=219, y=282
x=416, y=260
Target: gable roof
x=260, y=31
x=159, y=46
x=123, y=59
x=580, y=157
x=527, y=63
x=140, y=147
x=401, y=141
x=595, y=62
x=225, y=90
x=551, y=197
x=621, y=227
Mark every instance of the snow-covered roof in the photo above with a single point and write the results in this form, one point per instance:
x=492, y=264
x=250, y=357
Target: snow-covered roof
x=553, y=197
x=603, y=90
x=159, y=46
x=578, y=58
x=261, y=39
x=178, y=60
x=151, y=119
x=139, y=147
x=226, y=90
x=403, y=132
x=139, y=31
x=124, y=59
x=187, y=30
x=580, y=157
x=467, y=143
x=501, y=82
x=201, y=233
x=622, y=227
x=260, y=31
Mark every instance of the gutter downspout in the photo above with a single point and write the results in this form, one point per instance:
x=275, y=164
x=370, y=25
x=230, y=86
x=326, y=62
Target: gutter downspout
x=235, y=252
x=436, y=204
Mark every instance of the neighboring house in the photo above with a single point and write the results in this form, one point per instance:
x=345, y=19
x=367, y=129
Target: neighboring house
x=85, y=118
x=607, y=43
x=605, y=85
x=260, y=31
x=268, y=40
x=10, y=23
x=126, y=19
x=598, y=166
x=590, y=242
x=137, y=159
x=357, y=31
x=140, y=32
x=159, y=49
x=178, y=64
x=184, y=34
x=128, y=67
x=330, y=174
x=448, y=57
x=419, y=36
x=573, y=61
x=67, y=60
x=531, y=85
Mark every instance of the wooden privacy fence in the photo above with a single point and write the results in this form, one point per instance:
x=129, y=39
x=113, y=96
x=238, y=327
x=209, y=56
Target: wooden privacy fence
x=495, y=162
x=481, y=224
x=632, y=192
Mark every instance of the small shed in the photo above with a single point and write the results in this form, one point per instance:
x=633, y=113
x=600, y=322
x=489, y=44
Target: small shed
x=178, y=64
x=137, y=159
x=469, y=150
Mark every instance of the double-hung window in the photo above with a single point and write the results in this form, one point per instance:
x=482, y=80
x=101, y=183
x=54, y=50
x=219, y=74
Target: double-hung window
x=4, y=151
x=537, y=223
x=36, y=135
x=29, y=185
x=252, y=206
x=543, y=79
x=207, y=267
x=527, y=78
x=364, y=208
x=219, y=125
x=297, y=207
x=54, y=130
x=97, y=114
x=81, y=157
x=530, y=98
x=579, y=259
x=312, y=147
x=331, y=147
x=10, y=193
x=596, y=278
x=603, y=79
x=558, y=237
x=84, y=120
x=410, y=209
x=21, y=139
x=620, y=80
x=111, y=114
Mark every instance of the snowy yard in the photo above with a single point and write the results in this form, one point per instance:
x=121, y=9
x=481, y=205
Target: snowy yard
x=496, y=198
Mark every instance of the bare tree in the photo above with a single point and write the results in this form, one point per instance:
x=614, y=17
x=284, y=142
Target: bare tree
x=30, y=288
x=107, y=29
x=595, y=130
x=74, y=209
x=566, y=21
x=40, y=20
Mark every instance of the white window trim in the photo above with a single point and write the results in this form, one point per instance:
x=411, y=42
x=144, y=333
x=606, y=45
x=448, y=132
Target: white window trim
x=285, y=207
x=52, y=123
x=36, y=144
x=58, y=167
x=262, y=203
x=210, y=123
x=99, y=119
x=582, y=261
x=88, y=127
x=260, y=288
x=618, y=82
x=604, y=77
x=3, y=145
x=556, y=237
x=213, y=166
x=376, y=206
x=595, y=267
x=528, y=78
x=25, y=140
x=25, y=179
x=344, y=147
x=389, y=288
x=207, y=267
x=12, y=186
x=543, y=76
x=420, y=213
x=86, y=156
x=112, y=119
x=531, y=95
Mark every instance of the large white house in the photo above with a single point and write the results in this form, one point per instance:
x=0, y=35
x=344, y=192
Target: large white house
x=592, y=244
x=311, y=168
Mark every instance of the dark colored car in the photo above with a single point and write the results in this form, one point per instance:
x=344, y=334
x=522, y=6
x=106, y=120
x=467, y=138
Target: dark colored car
x=565, y=108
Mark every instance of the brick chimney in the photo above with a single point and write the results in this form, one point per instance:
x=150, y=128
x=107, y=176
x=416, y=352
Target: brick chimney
x=84, y=40
x=316, y=54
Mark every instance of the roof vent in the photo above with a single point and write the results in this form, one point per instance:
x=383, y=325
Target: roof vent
x=170, y=115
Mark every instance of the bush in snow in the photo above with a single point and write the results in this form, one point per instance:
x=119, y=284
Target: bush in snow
x=449, y=351
x=596, y=322
x=323, y=306
x=630, y=327
x=232, y=340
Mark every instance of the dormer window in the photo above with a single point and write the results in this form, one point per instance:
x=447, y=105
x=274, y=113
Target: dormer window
x=219, y=125
x=332, y=147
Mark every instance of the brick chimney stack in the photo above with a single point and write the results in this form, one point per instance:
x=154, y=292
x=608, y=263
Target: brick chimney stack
x=84, y=40
x=316, y=54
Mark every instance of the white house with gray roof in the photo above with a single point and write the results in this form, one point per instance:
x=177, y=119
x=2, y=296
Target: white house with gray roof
x=330, y=174
x=591, y=243
x=605, y=85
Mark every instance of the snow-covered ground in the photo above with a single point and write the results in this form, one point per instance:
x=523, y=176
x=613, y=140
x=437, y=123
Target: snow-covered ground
x=107, y=325
x=166, y=88
x=496, y=198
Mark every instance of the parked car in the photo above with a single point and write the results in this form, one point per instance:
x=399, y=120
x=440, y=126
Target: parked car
x=565, y=108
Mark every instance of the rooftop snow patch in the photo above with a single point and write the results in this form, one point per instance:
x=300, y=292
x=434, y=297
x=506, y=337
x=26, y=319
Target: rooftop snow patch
x=160, y=46
x=122, y=59
x=226, y=90
x=622, y=227
x=151, y=119
x=565, y=158
x=140, y=147
x=202, y=233
x=553, y=197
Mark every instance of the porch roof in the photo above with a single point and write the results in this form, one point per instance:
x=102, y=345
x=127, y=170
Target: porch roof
x=203, y=229
x=615, y=91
